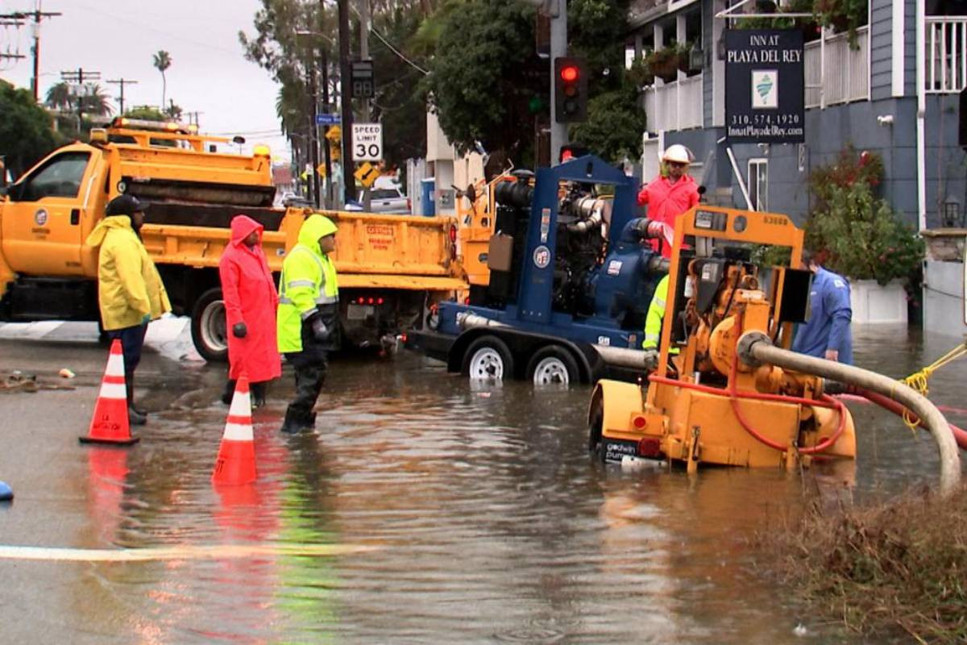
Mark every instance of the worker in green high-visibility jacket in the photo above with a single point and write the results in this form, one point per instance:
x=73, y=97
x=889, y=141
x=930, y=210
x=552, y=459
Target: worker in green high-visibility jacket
x=308, y=316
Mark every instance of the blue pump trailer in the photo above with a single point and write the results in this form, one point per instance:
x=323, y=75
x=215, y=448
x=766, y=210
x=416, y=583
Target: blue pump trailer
x=574, y=278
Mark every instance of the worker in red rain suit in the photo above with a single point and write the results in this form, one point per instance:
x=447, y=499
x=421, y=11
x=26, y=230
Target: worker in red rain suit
x=671, y=193
x=250, y=308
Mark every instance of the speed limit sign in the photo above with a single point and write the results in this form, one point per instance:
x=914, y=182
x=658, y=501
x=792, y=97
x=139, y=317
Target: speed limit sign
x=367, y=141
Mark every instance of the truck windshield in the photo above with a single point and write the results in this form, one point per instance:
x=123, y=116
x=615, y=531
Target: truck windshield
x=59, y=177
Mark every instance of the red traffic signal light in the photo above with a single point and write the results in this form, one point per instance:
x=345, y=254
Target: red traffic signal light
x=570, y=73
x=570, y=90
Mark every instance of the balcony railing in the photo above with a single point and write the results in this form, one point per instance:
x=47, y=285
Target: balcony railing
x=834, y=72
x=946, y=54
x=674, y=106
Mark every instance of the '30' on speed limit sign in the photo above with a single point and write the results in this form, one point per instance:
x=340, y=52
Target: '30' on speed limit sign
x=367, y=141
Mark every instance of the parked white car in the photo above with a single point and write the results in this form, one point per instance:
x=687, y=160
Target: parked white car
x=389, y=200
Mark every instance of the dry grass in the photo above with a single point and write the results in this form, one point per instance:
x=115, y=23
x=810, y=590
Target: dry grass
x=896, y=568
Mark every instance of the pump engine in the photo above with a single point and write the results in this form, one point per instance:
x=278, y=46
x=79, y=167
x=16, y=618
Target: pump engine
x=592, y=276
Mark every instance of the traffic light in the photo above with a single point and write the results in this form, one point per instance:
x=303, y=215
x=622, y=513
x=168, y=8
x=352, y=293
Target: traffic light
x=570, y=90
x=572, y=151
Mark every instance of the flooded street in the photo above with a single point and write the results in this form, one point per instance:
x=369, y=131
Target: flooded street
x=424, y=510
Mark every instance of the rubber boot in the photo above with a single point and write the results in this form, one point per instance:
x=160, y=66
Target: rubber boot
x=228, y=392
x=136, y=417
x=311, y=420
x=292, y=423
x=258, y=395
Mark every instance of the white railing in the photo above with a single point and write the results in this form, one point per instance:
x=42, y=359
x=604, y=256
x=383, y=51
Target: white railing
x=834, y=72
x=675, y=106
x=945, y=67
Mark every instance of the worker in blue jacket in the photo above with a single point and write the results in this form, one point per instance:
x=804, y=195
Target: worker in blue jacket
x=827, y=332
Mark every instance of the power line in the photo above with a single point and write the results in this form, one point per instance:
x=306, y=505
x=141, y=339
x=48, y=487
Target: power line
x=122, y=82
x=37, y=15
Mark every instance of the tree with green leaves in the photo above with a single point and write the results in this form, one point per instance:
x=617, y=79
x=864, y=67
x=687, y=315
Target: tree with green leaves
x=293, y=37
x=60, y=97
x=25, y=129
x=486, y=78
x=161, y=62
x=483, y=75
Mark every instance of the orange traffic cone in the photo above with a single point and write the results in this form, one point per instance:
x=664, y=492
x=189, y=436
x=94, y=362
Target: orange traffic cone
x=236, y=456
x=110, y=421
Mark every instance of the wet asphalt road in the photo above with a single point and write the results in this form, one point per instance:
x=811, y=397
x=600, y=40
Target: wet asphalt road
x=424, y=510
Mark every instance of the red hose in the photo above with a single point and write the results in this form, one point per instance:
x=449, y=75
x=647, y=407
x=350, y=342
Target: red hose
x=900, y=410
x=734, y=396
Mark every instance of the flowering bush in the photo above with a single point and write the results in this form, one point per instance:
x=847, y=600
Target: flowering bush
x=856, y=233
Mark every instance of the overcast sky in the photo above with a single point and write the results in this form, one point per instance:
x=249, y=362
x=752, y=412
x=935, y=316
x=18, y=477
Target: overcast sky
x=118, y=38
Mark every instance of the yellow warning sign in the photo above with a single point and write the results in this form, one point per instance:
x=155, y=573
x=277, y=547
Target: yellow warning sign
x=321, y=169
x=366, y=174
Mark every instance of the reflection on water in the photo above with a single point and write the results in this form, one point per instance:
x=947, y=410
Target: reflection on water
x=491, y=522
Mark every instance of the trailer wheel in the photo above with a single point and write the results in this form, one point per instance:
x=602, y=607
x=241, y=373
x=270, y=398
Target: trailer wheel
x=488, y=357
x=208, y=328
x=553, y=365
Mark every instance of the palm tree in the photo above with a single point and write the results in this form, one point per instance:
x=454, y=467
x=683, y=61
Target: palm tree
x=60, y=97
x=162, y=61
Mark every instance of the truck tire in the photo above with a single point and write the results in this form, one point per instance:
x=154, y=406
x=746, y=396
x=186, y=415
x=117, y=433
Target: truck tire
x=488, y=357
x=553, y=365
x=208, y=330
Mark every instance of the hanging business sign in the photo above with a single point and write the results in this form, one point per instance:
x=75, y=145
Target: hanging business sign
x=764, y=86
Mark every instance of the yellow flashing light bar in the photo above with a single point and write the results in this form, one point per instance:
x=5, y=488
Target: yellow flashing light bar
x=156, y=126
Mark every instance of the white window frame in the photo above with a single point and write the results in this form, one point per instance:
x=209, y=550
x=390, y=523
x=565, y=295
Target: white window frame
x=758, y=190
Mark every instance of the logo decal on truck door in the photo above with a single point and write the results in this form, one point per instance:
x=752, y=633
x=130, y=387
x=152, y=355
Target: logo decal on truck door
x=40, y=217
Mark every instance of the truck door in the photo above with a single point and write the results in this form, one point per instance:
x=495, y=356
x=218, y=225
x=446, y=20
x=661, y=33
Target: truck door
x=42, y=219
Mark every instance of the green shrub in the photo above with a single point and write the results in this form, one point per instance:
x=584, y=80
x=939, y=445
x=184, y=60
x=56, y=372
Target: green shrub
x=854, y=232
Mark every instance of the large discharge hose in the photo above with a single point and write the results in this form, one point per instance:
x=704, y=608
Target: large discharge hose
x=756, y=348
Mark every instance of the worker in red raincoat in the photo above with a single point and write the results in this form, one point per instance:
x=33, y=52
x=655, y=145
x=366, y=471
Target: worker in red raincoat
x=250, y=308
x=671, y=193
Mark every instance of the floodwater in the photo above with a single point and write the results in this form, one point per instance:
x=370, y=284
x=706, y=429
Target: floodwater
x=425, y=510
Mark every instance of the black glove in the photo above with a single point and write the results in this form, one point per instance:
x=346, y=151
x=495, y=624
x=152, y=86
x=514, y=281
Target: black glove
x=320, y=331
x=650, y=359
x=239, y=330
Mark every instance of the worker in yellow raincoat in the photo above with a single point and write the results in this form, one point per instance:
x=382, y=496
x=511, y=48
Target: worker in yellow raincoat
x=129, y=289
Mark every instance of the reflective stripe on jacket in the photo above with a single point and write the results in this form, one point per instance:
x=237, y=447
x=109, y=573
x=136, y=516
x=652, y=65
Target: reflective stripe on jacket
x=308, y=283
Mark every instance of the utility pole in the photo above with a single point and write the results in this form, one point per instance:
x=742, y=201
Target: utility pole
x=312, y=142
x=36, y=15
x=78, y=77
x=558, y=13
x=345, y=80
x=325, y=130
x=364, y=55
x=122, y=82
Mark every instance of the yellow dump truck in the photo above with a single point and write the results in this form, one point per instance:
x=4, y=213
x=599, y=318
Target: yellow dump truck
x=391, y=267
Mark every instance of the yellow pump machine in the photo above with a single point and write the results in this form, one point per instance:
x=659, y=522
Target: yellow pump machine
x=704, y=404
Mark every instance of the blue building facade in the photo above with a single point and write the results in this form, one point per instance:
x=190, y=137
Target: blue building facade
x=896, y=93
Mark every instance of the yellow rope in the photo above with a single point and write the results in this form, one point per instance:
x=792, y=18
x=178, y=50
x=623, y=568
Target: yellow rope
x=918, y=380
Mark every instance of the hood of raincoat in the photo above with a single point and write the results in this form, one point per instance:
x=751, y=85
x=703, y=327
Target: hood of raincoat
x=242, y=225
x=96, y=238
x=315, y=227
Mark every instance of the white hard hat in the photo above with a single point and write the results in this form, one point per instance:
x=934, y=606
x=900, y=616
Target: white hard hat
x=677, y=153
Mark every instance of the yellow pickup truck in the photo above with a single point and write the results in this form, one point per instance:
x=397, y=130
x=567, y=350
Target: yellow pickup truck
x=391, y=267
